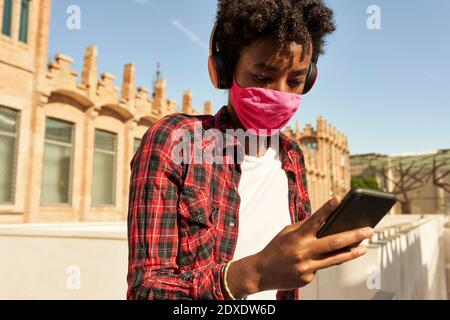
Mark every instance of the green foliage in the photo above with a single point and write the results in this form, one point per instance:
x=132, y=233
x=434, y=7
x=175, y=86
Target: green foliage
x=368, y=182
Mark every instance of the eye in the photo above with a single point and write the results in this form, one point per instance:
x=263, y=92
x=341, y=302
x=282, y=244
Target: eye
x=261, y=79
x=295, y=83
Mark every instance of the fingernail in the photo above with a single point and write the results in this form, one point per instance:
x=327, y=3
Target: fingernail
x=362, y=250
x=366, y=232
x=333, y=202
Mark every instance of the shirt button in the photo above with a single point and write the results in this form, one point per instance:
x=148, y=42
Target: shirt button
x=232, y=223
x=189, y=192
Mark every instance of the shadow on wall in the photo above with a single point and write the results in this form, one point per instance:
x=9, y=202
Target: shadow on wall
x=400, y=264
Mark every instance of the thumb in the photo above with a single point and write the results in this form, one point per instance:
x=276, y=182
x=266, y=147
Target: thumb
x=318, y=218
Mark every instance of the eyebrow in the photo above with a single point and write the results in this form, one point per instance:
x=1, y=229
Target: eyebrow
x=270, y=68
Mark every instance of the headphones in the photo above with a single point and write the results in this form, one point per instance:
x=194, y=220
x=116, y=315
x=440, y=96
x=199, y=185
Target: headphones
x=221, y=75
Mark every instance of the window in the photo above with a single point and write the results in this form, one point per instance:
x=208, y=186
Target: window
x=137, y=142
x=104, y=181
x=57, y=166
x=7, y=17
x=310, y=143
x=8, y=133
x=24, y=16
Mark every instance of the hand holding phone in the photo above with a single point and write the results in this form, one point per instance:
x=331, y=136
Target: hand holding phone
x=359, y=208
x=292, y=257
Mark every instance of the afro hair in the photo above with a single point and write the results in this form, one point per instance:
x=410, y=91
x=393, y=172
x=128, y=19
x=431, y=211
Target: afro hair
x=241, y=22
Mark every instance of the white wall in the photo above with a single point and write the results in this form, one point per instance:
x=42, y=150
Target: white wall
x=35, y=262
x=406, y=256
x=407, y=250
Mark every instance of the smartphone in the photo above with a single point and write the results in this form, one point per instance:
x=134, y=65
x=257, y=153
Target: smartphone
x=360, y=208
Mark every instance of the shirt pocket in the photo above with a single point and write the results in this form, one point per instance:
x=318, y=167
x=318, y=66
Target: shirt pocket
x=196, y=205
x=196, y=227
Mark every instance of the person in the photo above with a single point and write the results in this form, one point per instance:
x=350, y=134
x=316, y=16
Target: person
x=240, y=228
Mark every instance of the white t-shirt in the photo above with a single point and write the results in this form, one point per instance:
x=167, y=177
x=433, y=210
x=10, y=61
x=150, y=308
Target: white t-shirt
x=264, y=208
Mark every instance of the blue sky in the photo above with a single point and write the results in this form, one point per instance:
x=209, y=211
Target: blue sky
x=388, y=90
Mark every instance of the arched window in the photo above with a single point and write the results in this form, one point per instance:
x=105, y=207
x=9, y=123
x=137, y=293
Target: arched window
x=310, y=143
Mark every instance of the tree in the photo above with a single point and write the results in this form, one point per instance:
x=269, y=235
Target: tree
x=441, y=169
x=369, y=182
x=409, y=173
x=406, y=174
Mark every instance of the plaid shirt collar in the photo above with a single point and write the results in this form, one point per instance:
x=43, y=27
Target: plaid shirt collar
x=288, y=152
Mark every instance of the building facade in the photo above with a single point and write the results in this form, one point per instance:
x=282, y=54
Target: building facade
x=67, y=137
x=327, y=160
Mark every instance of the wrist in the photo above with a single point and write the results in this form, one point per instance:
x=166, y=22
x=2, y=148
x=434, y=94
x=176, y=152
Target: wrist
x=243, y=277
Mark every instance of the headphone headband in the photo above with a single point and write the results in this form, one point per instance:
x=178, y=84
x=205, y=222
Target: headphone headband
x=218, y=69
x=221, y=75
x=213, y=40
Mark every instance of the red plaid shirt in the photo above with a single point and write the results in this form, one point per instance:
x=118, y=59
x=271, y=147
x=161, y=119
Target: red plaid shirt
x=183, y=218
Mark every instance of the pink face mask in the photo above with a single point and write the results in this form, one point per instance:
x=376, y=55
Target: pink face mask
x=260, y=108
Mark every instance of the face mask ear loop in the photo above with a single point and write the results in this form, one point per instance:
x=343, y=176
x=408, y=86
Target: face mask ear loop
x=231, y=89
x=234, y=78
x=236, y=83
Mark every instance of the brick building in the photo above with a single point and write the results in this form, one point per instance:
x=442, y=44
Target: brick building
x=67, y=138
x=327, y=160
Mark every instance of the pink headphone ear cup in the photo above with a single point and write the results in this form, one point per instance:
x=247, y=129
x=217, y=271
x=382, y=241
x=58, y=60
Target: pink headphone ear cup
x=213, y=74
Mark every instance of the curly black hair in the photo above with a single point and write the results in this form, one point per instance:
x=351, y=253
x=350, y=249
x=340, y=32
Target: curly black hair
x=241, y=22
